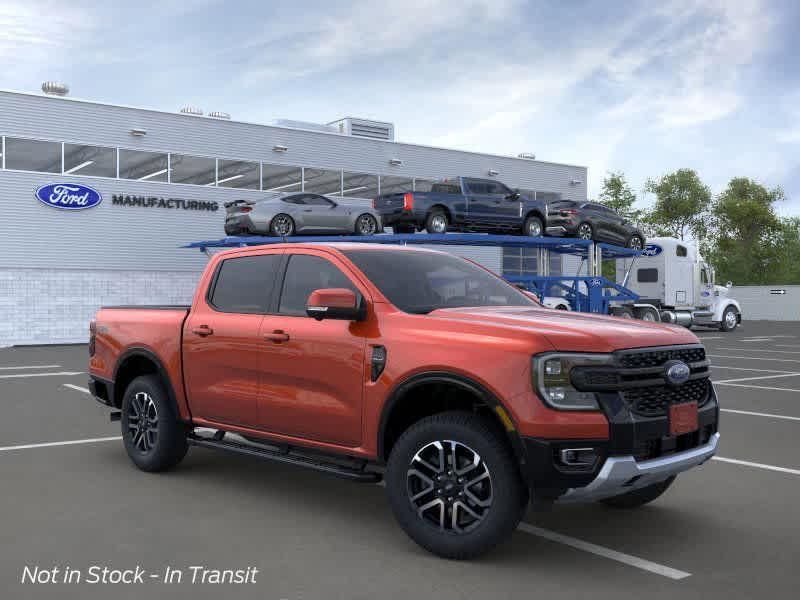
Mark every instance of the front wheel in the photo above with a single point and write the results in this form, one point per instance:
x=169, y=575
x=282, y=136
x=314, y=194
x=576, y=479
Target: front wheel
x=635, y=242
x=585, y=231
x=730, y=319
x=533, y=227
x=154, y=438
x=640, y=497
x=454, y=486
x=366, y=224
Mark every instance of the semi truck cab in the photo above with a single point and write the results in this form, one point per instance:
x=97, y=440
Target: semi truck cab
x=672, y=276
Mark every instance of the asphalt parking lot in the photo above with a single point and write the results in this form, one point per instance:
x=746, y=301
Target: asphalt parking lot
x=70, y=498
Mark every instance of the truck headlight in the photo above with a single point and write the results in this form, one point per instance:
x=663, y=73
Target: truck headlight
x=552, y=379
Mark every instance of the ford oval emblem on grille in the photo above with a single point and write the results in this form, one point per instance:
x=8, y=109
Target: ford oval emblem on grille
x=68, y=196
x=676, y=372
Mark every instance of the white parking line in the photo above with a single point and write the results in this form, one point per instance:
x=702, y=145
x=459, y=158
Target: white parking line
x=65, y=443
x=761, y=350
x=747, y=463
x=757, y=387
x=758, y=414
x=633, y=561
x=711, y=337
x=30, y=367
x=746, y=369
x=20, y=375
x=77, y=388
x=794, y=360
x=754, y=378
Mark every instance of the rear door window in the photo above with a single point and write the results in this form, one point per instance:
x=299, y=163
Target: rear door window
x=245, y=284
x=304, y=274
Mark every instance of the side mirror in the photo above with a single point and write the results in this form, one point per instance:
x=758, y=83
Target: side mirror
x=729, y=285
x=334, y=303
x=515, y=195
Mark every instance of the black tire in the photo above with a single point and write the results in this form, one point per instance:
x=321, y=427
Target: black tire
x=646, y=313
x=403, y=228
x=585, y=231
x=281, y=225
x=366, y=224
x=533, y=227
x=623, y=312
x=505, y=492
x=162, y=443
x=639, y=497
x=437, y=221
x=635, y=242
x=729, y=323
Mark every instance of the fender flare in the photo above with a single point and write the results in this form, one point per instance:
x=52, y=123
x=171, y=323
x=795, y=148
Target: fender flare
x=461, y=381
x=140, y=351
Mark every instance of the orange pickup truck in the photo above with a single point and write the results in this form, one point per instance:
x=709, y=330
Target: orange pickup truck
x=367, y=361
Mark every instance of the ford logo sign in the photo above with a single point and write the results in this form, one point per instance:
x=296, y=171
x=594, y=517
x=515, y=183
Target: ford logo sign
x=676, y=372
x=652, y=250
x=68, y=196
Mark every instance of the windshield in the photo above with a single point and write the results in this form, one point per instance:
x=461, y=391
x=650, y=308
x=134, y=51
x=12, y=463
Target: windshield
x=419, y=282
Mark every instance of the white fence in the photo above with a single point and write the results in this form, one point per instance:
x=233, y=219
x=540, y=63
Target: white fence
x=768, y=302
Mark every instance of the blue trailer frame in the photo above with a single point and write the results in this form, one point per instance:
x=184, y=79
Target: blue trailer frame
x=585, y=293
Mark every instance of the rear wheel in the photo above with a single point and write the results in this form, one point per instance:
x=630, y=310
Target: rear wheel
x=154, y=438
x=585, y=231
x=623, y=312
x=436, y=222
x=647, y=313
x=730, y=319
x=453, y=485
x=533, y=227
x=640, y=497
x=366, y=224
x=281, y=225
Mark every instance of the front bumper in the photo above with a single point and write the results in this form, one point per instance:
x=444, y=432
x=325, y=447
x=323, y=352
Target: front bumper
x=621, y=474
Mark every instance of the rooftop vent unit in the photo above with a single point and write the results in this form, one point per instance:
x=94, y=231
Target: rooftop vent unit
x=192, y=110
x=375, y=130
x=527, y=155
x=219, y=115
x=303, y=125
x=54, y=88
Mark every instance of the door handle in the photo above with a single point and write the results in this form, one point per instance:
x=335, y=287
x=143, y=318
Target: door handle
x=202, y=330
x=277, y=336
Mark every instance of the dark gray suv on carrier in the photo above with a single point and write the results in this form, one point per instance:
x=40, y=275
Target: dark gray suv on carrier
x=592, y=221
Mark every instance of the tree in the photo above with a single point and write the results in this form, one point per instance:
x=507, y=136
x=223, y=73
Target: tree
x=681, y=207
x=618, y=195
x=750, y=244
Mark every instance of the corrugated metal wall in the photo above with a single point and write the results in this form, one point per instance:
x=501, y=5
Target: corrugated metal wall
x=767, y=302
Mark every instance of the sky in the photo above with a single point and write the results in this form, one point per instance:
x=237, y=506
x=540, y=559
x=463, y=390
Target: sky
x=639, y=87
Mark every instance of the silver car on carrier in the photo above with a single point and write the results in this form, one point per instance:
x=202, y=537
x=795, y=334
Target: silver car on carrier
x=286, y=214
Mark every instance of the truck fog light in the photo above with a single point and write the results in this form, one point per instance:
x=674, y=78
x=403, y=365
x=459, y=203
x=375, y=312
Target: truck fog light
x=578, y=457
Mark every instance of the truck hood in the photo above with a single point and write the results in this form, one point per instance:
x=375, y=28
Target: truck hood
x=572, y=331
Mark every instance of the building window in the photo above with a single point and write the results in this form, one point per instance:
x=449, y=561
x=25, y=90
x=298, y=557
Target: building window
x=238, y=174
x=396, y=185
x=280, y=178
x=323, y=181
x=524, y=261
x=360, y=185
x=33, y=155
x=195, y=170
x=95, y=161
x=144, y=166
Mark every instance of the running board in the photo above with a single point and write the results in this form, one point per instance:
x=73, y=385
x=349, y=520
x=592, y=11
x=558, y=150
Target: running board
x=351, y=473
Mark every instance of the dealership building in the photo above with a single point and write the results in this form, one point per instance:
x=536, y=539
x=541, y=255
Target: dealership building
x=161, y=180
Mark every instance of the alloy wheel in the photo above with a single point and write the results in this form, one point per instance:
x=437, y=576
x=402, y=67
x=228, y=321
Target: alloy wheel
x=449, y=486
x=366, y=225
x=439, y=224
x=534, y=228
x=143, y=422
x=635, y=243
x=585, y=231
x=730, y=319
x=282, y=225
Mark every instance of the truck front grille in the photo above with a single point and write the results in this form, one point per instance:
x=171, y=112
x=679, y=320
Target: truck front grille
x=636, y=359
x=654, y=401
